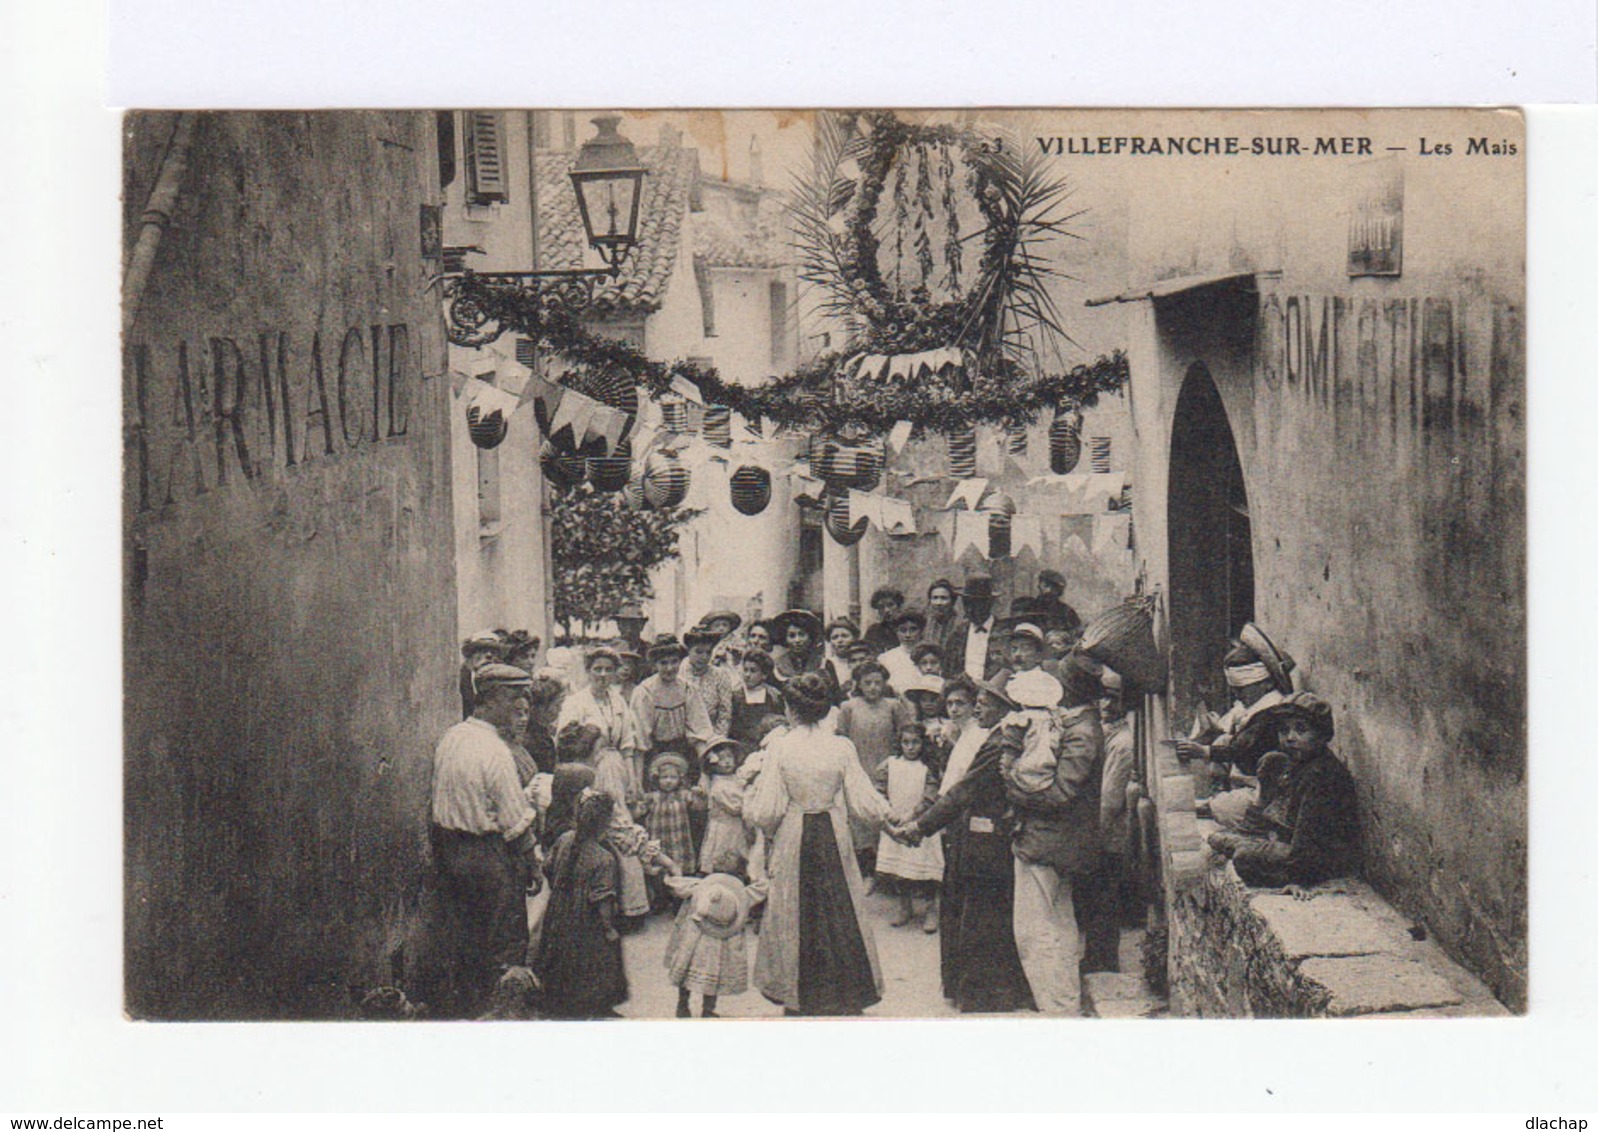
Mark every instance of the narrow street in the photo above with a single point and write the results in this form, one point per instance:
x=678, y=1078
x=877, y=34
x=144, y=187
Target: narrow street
x=909, y=958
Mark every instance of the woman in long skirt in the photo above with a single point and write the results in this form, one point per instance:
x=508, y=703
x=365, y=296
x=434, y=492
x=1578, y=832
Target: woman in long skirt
x=816, y=954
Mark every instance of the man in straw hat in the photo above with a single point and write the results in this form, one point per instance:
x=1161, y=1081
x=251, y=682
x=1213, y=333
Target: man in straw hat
x=483, y=846
x=1259, y=676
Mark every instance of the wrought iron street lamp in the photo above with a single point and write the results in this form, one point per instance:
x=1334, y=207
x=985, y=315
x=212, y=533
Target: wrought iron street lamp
x=608, y=179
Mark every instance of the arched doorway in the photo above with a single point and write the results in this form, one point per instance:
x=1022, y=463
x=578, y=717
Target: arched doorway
x=1211, y=544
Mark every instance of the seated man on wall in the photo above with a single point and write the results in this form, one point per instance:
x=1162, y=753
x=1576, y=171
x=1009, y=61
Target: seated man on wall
x=1304, y=828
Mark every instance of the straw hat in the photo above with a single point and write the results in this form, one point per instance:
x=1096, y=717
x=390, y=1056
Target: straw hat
x=719, y=906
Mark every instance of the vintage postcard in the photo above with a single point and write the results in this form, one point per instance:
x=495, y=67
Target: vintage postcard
x=757, y=564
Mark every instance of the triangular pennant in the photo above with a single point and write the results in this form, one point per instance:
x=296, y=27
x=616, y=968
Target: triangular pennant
x=970, y=533
x=898, y=517
x=967, y=493
x=899, y=436
x=1027, y=531
x=488, y=398
x=865, y=506
x=686, y=389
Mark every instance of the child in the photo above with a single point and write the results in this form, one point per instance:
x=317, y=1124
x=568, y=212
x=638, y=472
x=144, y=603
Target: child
x=1032, y=769
x=870, y=720
x=910, y=871
x=612, y=776
x=664, y=812
x=928, y=658
x=726, y=838
x=707, y=952
x=579, y=956
x=755, y=700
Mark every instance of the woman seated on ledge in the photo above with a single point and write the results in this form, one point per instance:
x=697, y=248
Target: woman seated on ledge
x=1303, y=828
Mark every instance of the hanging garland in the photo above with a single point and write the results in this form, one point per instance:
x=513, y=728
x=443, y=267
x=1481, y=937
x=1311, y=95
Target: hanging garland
x=993, y=320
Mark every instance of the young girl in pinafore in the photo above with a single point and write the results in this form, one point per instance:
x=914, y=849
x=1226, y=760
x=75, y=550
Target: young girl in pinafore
x=910, y=873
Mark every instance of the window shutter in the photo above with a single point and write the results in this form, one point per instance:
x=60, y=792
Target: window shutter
x=485, y=156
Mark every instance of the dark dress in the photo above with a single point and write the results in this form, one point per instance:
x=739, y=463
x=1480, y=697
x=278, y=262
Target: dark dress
x=980, y=965
x=582, y=970
x=746, y=717
x=1308, y=824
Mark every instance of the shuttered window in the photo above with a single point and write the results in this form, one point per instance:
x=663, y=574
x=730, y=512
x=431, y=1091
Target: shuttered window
x=485, y=157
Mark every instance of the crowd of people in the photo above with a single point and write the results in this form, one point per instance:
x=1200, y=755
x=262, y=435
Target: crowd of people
x=971, y=770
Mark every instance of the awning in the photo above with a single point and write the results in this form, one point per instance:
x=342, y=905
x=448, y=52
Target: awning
x=1165, y=288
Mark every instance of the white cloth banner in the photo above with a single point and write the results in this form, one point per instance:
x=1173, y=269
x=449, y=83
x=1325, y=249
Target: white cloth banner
x=967, y=493
x=1110, y=533
x=898, y=517
x=1026, y=531
x=487, y=398
x=970, y=533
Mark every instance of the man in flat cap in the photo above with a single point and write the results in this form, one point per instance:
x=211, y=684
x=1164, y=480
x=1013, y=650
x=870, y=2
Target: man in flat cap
x=483, y=847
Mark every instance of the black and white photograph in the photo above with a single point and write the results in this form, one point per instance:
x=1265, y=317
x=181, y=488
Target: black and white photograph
x=790, y=564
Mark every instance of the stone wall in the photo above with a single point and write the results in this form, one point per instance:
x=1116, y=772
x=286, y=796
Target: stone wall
x=1238, y=952
x=289, y=656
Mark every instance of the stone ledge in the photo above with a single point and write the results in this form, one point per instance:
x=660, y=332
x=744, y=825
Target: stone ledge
x=1343, y=952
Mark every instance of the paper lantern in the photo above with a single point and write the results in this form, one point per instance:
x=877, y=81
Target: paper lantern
x=665, y=480
x=843, y=464
x=1065, y=442
x=633, y=495
x=750, y=488
x=999, y=525
x=486, y=430
x=1099, y=454
x=561, y=468
x=1017, y=440
x=718, y=426
x=1000, y=511
x=837, y=521
x=674, y=415
x=963, y=454
x=611, y=473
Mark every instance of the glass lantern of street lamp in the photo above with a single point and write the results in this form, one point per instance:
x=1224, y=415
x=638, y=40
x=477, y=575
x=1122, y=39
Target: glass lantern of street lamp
x=609, y=180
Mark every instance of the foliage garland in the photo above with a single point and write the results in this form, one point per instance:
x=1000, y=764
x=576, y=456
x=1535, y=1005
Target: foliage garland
x=805, y=398
x=996, y=321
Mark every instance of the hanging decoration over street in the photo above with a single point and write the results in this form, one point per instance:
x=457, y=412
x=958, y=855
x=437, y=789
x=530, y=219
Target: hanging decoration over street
x=1065, y=442
x=717, y=429
x=611, y=473
x=561, y=468
x=838, y=519
x=938, y=343
x=665, y=480
x=750, y=489
x=963, y=453
x=487, y=430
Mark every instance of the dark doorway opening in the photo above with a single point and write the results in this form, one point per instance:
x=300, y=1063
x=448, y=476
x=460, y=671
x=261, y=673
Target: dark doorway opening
x=1211, y=545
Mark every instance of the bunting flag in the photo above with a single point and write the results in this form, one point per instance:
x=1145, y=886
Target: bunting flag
x=1074, y=547
x=967, y=493
x=992, y=457
x=899, y=436
x=898, y=516
x=1110, y=533
x=686, y=389
x=969, y=532
x=489, y=398
x=863, y=505
x=1026, y=531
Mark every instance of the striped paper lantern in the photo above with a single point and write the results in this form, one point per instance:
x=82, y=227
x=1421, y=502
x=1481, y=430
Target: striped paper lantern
x=1065, y=442
x=1000, y=511
x=999, y=525
x=842, y=465
x=963, y=454
x=1099, y=454
x=665, y=480
x=674, y=415
x=611, y=473
x=487, y=431
x=1017, y=440
x=750, y=488
x=837, y=521
x=718, y=426
x=561, y=468
x=633, y=495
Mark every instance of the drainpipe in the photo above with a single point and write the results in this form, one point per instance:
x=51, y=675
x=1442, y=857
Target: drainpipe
x=546, y=526
x=157, y=216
